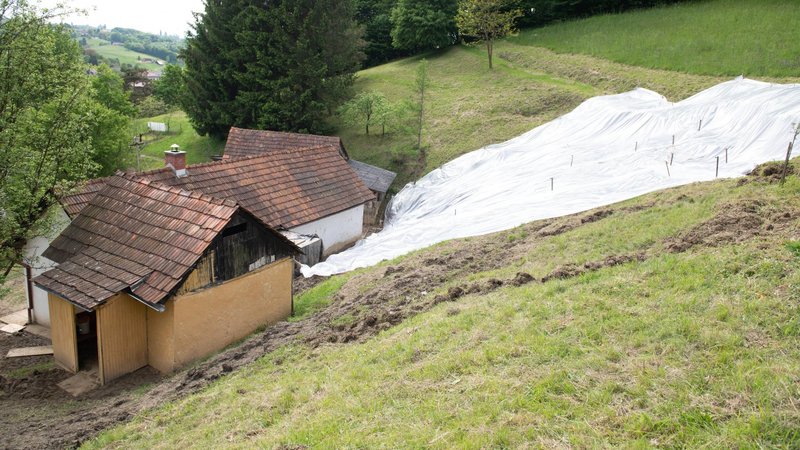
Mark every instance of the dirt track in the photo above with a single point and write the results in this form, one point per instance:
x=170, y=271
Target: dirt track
x=31, y=419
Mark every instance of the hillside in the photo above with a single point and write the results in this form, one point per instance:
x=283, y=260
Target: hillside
x=470, y=106
x=117, y=54
x=668, y=320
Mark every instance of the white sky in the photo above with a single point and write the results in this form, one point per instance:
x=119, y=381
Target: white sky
x=170, y=16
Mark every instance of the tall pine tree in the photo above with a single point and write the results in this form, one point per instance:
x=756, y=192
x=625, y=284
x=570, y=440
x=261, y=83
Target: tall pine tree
x=280, y=65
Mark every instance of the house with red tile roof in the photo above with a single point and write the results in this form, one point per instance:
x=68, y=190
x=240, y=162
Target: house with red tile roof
x=151, y=274
x=243, y=143
x=310, y=191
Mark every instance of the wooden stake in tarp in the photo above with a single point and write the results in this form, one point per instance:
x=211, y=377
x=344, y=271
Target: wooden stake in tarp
x=786, y=163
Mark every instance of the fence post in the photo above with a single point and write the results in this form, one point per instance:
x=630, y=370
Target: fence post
x=716, y=175
x=666, y=163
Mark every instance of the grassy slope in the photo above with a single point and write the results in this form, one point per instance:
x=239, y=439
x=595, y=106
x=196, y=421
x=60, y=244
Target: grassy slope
x=198, y=148
x=722, y=37
x=470, y=106
x=688, y=349
x=125, y=56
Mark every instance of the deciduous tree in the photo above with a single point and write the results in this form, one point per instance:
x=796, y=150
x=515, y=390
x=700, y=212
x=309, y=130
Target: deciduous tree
x=486, y=20
x=48, y=120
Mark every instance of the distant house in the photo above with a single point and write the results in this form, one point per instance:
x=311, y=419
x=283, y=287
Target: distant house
x=243, y=142
x=152, y=76
x=155, y=275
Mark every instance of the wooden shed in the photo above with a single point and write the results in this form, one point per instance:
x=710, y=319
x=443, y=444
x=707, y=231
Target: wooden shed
x=155, y=275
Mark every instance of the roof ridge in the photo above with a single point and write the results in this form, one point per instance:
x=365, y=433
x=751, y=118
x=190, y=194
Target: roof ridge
x=285, y=132
x=263, y=155
x=137, y=178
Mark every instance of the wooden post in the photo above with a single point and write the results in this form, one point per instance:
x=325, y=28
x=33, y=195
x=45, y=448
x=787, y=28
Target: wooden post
x=671, y=157
x=726, y=155
x=673, y=139
x=667, y=164
x=551, y=183
x=700, y=125
x=636, y=147
x=716, y=175
x=571, y=159
x=786, y=163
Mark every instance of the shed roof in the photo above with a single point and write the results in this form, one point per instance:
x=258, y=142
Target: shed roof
x=134, y=235
x=375, y=178
x=243, y=142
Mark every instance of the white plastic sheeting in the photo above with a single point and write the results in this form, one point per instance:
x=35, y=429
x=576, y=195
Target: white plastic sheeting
x=609, y=149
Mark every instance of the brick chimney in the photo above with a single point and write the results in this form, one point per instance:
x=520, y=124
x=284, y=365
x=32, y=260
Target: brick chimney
x=175, y=158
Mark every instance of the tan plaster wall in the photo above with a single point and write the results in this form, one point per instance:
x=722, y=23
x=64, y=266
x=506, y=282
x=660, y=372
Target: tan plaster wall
x=208, y=320
x=160, y=338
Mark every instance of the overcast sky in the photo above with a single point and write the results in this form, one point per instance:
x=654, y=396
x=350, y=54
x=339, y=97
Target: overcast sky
x=153, y=16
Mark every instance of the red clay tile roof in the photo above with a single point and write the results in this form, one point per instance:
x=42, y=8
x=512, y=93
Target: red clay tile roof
x=74, y=202
x=243, y=142
x=282, y=188
x=135, y=236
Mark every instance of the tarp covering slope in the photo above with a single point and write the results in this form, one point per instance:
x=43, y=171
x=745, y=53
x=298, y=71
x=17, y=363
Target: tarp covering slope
x=608, y=149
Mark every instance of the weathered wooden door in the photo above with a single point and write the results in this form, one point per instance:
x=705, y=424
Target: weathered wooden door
x=121, y=337
x=63, y=333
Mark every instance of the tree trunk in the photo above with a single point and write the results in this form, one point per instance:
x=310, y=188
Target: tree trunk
x=489, y=50
x=367, y=128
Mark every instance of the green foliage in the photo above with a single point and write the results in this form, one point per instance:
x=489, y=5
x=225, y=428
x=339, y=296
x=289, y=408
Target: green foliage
x=486, y=20
x=375, y=17
x=171, y=87
x=794, y=247
x=137, y=83
x=365, y=109
x=424, y=24
x=109, y=129
x=47, y=120
x=280, y=65
x=153, y=106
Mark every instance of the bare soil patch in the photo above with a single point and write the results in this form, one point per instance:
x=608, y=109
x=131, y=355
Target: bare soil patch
x=734, y=223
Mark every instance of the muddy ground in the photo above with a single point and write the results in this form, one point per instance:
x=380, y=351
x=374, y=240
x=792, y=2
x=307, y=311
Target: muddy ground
x=37, y=415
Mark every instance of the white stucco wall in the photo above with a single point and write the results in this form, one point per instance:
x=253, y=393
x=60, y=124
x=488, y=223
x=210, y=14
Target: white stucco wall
x=336, y=231
x=39, y=264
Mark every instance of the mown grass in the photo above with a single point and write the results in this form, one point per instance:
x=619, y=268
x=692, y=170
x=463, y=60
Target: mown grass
x=694, y=349
x=198, y=148
x=124, y=55
x=717, y=37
